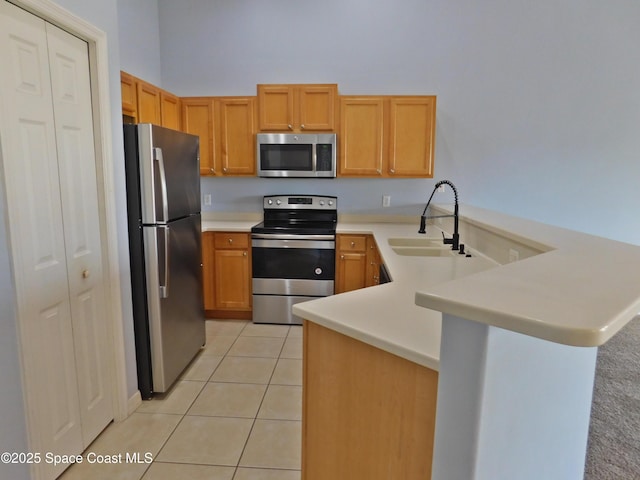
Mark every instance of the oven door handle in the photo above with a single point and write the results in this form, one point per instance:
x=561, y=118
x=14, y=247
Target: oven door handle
x=291, y=236
x=293, y=243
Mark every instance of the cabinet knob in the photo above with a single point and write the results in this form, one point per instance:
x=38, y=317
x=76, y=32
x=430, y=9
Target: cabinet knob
x=212, y=170
x=302, y=127
x=230, y=240
x=244, y=254
x=378, y=171
x=290, y=127
x=224, y=169
x=392, y=171
x=341, y=257
x=353, y=244
x=85, y=274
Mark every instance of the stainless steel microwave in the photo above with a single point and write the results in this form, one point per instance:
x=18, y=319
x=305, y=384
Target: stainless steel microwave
x=296, y=155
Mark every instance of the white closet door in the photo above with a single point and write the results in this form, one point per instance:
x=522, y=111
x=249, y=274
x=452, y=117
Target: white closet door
x=37, y=237
x=48, y=166
x=69, y=64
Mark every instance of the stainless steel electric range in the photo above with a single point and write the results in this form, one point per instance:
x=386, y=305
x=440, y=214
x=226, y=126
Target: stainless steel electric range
x=293, y=255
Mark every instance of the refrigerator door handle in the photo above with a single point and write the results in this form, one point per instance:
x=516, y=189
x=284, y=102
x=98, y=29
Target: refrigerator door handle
x=164, y=266
x=157, y=156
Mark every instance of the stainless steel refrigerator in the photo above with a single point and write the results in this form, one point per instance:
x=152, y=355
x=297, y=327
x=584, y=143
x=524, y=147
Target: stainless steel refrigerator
x=163, y=202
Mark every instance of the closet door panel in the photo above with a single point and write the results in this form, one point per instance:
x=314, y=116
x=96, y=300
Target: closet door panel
x=69, y=64
x=37, y=237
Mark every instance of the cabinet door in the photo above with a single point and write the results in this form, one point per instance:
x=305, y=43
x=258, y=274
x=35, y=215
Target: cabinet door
x=411, y=136
x=373, y=262
x=208, y=270
x=232, y=279
x=197, y=119
x=235, y=135
x=317, y=107
x=275, y=107
x=148, y=103
x=170, y=110
x=351, y=263
x=128, y=88
x=361, y=136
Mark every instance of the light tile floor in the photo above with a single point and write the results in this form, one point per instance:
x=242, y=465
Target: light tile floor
x=235, y=414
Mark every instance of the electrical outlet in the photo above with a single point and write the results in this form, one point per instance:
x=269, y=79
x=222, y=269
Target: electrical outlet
x=386, y=200
x=514, y=255
x=207, y=199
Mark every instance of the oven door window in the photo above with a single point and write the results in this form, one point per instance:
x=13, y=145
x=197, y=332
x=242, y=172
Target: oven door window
x=295, y=157
x=293, y=263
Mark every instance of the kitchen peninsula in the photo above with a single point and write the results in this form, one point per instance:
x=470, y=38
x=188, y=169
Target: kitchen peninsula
x=513, y=356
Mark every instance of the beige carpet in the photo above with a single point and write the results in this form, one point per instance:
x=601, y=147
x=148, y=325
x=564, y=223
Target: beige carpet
x=614, y=435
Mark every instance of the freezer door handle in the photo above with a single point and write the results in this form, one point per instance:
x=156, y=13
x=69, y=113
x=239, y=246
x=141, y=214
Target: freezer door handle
x=157, y=156
x=163, y=264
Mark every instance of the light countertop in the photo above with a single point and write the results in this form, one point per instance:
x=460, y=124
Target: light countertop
x=580, y=291
x=386, y=316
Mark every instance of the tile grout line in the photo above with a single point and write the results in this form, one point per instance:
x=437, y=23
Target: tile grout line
x=257, y=410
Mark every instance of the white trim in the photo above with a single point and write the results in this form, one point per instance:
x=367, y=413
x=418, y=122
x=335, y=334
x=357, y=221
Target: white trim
x=134, y=402
x=99, y=69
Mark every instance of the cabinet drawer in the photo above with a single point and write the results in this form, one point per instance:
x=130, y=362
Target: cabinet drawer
x=231, y=240
x=352, y=243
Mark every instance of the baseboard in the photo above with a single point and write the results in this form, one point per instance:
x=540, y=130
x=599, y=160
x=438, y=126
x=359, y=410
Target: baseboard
x=134, y=402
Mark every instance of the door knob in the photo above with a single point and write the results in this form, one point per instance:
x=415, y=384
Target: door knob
x=85, y=274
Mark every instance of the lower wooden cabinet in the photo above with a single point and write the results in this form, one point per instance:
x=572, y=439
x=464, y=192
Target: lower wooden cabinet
x=366, y=414
x=373, y=263
x=357, y=262
x=226, y=259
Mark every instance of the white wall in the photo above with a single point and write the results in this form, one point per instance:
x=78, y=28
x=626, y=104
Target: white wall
x=139, y=39
x=538, y=105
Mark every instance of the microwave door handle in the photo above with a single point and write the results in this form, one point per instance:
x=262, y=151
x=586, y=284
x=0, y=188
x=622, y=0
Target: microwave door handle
x=157, y=156
x=314, y=159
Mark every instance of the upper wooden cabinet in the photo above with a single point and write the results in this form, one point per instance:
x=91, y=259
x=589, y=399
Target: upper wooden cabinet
x=412, y=129
x=148, y=103
x=197, y=119
x=129, y=87
x=297, y=108
x=386, y=136
x=235, y=129
x=170, y=110
x=361, y=141
x=227, y=127
x=143, y=102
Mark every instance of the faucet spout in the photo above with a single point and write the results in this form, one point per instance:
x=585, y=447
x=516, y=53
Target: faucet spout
x=454, y=241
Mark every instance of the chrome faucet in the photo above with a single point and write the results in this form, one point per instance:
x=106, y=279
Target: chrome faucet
x=455, y=240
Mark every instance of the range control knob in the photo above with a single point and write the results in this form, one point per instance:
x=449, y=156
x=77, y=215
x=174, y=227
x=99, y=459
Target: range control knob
x=270, y=202
x=330, y=202
x=278, y=202
x=322, y=203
